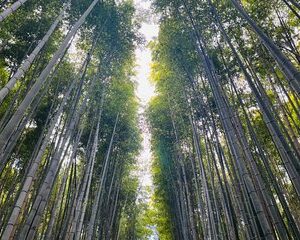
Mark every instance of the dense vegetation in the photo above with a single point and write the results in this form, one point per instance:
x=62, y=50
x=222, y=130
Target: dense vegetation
x=68, y=120
x=225, y=121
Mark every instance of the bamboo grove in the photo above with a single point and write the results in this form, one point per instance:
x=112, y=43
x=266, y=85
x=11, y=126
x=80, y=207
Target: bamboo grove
x=68, y=119
x=225, y=121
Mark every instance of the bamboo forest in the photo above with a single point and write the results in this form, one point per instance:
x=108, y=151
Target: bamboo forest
x=149, y=119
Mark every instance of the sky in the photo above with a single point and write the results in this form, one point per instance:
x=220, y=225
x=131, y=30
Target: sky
x=144, y=91
x=149, y=30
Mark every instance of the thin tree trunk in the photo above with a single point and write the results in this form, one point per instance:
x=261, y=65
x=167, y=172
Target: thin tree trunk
x=11, y=9
x=27, y=63
x=79, y=227
x=8, y=233
x=33, y=220
x=96, y=202
x=291, y=73
x=16, y=118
